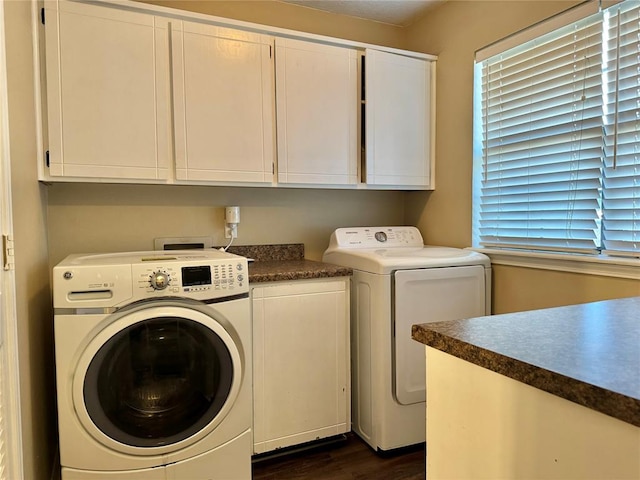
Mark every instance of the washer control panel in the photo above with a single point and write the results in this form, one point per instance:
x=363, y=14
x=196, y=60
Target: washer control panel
x=375, y=237
x=110, y=280
x=191, y=279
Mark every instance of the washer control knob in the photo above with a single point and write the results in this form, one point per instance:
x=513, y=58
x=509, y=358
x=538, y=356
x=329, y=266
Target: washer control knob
x=159, y=280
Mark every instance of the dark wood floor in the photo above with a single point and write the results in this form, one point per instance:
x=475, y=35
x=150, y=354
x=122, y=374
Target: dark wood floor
x=348, y=460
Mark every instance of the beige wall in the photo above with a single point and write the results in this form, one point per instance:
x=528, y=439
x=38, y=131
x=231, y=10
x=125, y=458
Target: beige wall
x=454, y=32
x=284, y=15
x=35, y=323
x=516, y=289
x=95, y=218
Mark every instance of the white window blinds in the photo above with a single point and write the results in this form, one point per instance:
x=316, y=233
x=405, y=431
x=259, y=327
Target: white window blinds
x=621, y=90
x=557, y=142
x=542, y=137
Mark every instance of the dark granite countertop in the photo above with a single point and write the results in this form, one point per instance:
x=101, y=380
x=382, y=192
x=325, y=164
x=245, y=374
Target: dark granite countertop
x=275, y=263
x=280, y=270
x=588, y=354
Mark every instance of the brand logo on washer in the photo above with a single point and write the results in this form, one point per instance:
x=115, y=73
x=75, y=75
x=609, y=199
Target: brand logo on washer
x=67, y=275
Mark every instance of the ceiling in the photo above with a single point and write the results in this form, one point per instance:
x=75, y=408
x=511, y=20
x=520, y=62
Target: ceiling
x=394, y=12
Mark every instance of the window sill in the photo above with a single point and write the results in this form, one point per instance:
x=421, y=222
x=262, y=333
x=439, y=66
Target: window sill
x=602, y=265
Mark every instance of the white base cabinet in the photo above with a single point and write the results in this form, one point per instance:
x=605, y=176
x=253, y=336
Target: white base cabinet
x=484, y=425
x=301, y=362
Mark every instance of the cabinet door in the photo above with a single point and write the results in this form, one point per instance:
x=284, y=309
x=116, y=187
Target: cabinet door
x=301, y=362
x=107, y=92
x=397, y=120
x=317, y=105
x=223, y=103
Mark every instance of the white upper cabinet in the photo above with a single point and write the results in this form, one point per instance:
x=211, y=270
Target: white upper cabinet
x=398, y=120
x=223, y=104
x=108, y=92
x=143, y=94
x=317, y=107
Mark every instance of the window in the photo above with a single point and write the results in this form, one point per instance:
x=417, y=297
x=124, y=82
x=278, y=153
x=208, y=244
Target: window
x=557, y=137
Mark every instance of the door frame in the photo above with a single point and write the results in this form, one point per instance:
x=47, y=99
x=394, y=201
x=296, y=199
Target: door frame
x=10, y=410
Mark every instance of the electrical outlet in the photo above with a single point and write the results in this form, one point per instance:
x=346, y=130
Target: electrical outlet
x=231, y=221
x=231, y=230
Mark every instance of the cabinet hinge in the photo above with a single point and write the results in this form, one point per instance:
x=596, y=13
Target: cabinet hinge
x=42, y=15
x=270, y=51
x=7, y=252
x=46, y=158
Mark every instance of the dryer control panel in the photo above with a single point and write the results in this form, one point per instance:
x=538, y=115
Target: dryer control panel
x=375, y=237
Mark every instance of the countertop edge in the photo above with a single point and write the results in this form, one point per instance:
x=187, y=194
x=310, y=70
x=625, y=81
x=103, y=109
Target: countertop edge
x=608, y=402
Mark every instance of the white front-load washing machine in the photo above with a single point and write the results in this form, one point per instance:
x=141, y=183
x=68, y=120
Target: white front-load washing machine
x=397, y=282
x=153, y=366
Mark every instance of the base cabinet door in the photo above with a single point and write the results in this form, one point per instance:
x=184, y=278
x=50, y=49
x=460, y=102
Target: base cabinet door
x=301, y=362
x=398, y=120
x=107, y=92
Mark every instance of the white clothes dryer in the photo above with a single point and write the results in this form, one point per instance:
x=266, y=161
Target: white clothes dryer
x=398, y=282
x=153, y=365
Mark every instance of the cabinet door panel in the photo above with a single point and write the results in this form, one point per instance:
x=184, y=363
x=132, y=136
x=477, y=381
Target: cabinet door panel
x=301, y=366
x=398, y=119
x=316, y=91
x=223, y=83
x=107, y=87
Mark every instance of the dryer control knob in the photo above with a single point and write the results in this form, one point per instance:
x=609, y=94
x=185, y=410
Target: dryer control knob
x=159, y=280
x=381, y=236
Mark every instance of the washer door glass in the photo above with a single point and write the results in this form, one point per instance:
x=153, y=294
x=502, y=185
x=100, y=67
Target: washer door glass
x=158, y=381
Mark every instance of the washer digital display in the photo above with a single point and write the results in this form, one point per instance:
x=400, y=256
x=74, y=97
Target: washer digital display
x=200, y=275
